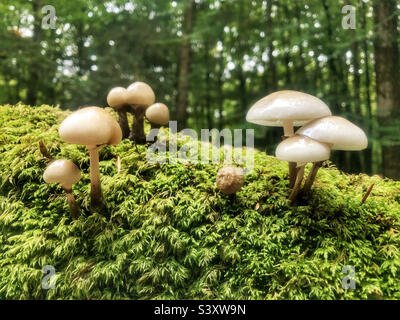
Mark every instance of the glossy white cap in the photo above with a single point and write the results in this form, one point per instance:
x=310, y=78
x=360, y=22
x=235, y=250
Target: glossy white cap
x=287, y=105
x=140, y=93
x=62, y=171
x=117, y=98
x=302, y=150
x=158, y=113
x=339, y=132
x=92, y=127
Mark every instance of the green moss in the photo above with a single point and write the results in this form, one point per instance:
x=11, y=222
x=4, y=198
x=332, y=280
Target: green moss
x=167, y=233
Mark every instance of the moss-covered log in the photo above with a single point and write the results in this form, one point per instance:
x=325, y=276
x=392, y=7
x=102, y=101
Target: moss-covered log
x=168, y=233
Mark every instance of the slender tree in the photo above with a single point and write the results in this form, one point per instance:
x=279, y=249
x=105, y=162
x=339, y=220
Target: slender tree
x=184, y=65
x=387, y=80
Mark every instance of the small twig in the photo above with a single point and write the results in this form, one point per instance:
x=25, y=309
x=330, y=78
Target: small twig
x=43, y=150
x=118, y=164
x=84, y=270
x=367, y=193
x=135, y=145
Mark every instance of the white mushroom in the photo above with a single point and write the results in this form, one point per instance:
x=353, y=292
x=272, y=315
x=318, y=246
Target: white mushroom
x=66, y=173
x=93, y=127
x=301, y=150
x=139, y=96
x=287, y=109
x=158, y=115
x=116, y=99
x=339, y=133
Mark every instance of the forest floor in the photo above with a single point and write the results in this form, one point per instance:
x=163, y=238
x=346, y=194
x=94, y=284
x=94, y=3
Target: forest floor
x=168, y=233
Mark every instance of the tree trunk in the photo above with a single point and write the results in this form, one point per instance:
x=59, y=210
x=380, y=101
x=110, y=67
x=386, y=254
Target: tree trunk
x=387, y=80
x=270, y=73
x=220, y=90
x=334, y=85
x=31, y=96
x=184, y=67
x=208, y=106
x=368, y=152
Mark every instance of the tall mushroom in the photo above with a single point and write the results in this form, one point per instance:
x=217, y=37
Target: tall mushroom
x=66, y=173
x=339, y=133
x=287, y=109
x=116, y=99
x=301, y=150
x=93, y=127
x=139, y=96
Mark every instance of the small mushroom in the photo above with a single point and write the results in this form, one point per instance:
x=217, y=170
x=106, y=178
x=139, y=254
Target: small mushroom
x=93, y=127
x=339, y=133
x=287, y=109
x=139, y=96
x=116, y=99
x=230, y=180
x=158, y=115
x=301, y=150
x=66, y=173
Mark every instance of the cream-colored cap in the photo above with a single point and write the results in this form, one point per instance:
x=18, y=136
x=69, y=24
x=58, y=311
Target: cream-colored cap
x=158, y=113
x=62, y=171
x=302, y=150
x=117, y=98
x=92, y=127
x=287, y=105
x=339, y=132
x=140, y=93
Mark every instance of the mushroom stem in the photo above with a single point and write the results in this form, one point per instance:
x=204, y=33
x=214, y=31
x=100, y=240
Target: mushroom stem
x=96, y=195
x=288, y=131
x=137, y=133
x=123, y=122
x=292, y=173
x=73, y=207
x=299, y=179
x=288, y=128
x=311, y=177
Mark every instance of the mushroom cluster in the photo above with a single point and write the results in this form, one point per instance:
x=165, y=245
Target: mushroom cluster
x=312, y=143
x=94, y=128
x=138, y=99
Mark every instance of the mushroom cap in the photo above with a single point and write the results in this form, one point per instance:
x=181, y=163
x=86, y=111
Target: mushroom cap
x=91, y=126
x=62, y=171
x=230, y=179
x=302, y=150
x=140, y=93
x=117, y=98
x=287, y=105
x=337, y=131
x=158, y=113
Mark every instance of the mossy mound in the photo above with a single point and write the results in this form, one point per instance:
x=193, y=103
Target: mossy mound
x=167, y=232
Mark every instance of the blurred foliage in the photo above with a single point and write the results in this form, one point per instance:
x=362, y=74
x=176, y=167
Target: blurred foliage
x=240, y=52
x=167, y=233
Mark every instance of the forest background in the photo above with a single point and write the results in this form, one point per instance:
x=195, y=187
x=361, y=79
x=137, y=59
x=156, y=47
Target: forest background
x=210, y=60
